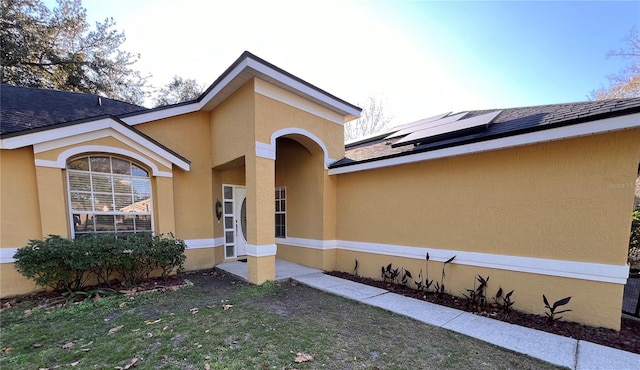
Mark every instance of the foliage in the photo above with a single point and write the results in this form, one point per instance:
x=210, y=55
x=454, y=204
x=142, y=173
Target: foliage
x=396, y=276
x=424, y=283
x=505, y=302
x=625, y=83
x=168, y=253
x=440, y=286
x=552, y=314
x=178, y=90
x=67, y=265
x=477, y=297
x=54, y=262
x=372, y=120
x=634, y=240
x=58, y=49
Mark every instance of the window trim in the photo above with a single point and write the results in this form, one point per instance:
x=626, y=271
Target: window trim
x=276, y=212
x=70, y=211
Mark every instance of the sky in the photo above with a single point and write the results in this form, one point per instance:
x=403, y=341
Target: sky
x=419, y=58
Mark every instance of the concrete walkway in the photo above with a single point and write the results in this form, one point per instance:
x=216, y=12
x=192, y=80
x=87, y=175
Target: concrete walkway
x=556, y=349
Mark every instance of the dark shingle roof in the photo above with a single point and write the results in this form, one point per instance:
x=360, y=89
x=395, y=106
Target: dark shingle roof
x=23, y=109
x=510, y=122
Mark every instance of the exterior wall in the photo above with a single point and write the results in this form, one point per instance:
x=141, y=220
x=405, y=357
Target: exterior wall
x=278, y=110
x=19, y=207
x=556, y=200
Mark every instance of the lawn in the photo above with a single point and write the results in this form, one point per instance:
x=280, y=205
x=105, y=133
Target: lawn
x=223, y=323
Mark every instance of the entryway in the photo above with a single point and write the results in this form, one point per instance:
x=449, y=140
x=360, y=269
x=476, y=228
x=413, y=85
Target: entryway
x=284, y=269
x=235, y=221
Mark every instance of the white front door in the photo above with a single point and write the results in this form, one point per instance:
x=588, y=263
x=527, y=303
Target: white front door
x=240, y=205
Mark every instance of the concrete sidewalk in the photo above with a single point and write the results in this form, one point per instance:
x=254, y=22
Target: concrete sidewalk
x=556, y=349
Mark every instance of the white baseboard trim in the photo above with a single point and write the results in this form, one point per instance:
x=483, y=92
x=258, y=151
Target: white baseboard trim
x=616, y=274
x=308, y=243
x=6, y=255
x=265, y=250
x=204, y=243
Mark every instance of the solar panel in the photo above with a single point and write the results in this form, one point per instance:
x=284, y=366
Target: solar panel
x=458, y=128
x=423, y=125
x=418, y=122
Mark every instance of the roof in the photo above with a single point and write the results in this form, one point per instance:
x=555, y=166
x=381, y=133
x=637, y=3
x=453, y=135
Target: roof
x=510, y=122
x=24, y=109
x=245, y=68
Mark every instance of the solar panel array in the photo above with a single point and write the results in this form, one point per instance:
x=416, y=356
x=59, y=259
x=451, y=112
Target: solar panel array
x=441, y=127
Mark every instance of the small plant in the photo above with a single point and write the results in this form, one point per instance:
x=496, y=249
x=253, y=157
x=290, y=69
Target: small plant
x=355, y=268
x=440, y=286
x=389, y=274
x=406, y=275
x=552, y=315
x=476, y=297
x=504, y=302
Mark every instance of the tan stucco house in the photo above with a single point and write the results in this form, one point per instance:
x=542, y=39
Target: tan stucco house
x=538, y=198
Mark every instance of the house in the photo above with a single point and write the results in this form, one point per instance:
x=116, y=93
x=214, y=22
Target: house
x=537, y=198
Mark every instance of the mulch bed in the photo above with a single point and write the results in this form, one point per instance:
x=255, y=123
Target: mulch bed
x=55, y=299
x=627, y=339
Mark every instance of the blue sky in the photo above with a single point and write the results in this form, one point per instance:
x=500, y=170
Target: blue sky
x=419, y=58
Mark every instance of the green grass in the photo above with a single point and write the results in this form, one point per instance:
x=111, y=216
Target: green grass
x=264, y=329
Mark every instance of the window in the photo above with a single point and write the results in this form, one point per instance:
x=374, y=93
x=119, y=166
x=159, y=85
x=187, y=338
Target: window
x=108, y=195
x=281, y=212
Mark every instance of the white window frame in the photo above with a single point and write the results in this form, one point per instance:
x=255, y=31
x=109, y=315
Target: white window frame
x=279, y=202
x=71, y=211
x=232, y=217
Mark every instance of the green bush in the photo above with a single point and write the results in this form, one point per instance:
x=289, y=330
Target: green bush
x=64, y=264
x=169, y=254
x=54, y=262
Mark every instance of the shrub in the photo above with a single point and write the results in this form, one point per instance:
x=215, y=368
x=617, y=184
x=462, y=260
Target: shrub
x=169, y=254
x=54, y=262
x=64, y=264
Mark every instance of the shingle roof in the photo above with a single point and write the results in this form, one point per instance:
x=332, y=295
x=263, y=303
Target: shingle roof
x=510, y=122
x=24, y=109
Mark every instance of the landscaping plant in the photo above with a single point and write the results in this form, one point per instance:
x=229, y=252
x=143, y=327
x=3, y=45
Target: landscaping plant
x=552, y=315
x=440, y=286
x=504, y=302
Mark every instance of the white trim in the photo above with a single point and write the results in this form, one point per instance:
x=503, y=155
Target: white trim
x=307, y=243
x=61, y=161
x=265, y=250
x=202, y=243
x=6, y=255
x=265, y=151
x=303, y=88
x=161, y=114
x=273, y=92
x=559, y=133
x=616, y=274
x=268, y=151
x=64, y=136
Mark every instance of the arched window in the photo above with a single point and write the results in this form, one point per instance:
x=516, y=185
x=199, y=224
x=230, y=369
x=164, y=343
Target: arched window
x=108, y=195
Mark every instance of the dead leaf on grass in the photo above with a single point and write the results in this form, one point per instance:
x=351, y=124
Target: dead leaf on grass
x=121, y=305
x=130, y=364
x=74, y=364
x=149, y=322
x=194, y=310
x=68, y=345
x=27, y=312
x=226, y=306
x=303, y=357
x=7, y=350
x=36, y=345
x=115, y=330
x=207, y=367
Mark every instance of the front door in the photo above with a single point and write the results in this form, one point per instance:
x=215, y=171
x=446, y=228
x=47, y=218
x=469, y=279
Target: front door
x=241, y=220
x=235, y=220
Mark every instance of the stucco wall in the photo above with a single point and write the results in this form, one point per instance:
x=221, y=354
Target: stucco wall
x=556, y=200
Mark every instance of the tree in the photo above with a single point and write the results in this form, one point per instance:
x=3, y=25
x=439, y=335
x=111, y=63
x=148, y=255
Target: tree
x=626, y=83
x=59, y=50
x=373, y=120
x=178, y=90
